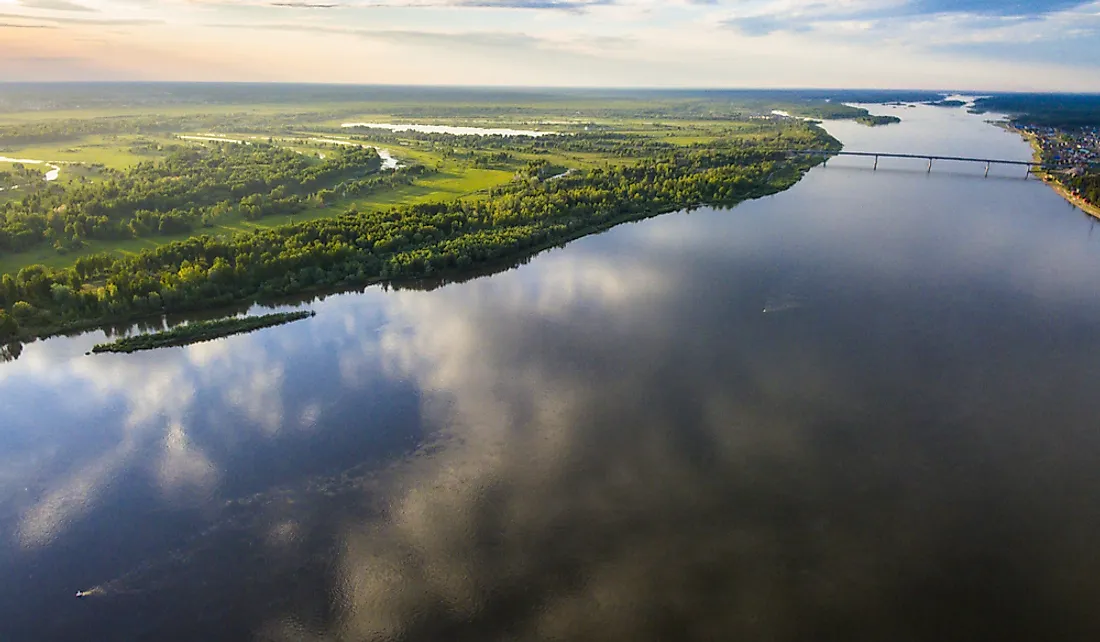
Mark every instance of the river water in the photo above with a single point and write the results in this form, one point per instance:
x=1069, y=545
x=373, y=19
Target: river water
x=51, y=175
x=862, y=409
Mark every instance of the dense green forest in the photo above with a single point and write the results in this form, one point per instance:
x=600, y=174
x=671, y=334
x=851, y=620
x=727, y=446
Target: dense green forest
x=1067, y=111
x=399, y=243
x=876, y=121
x=192, y=187
x=1086, y=186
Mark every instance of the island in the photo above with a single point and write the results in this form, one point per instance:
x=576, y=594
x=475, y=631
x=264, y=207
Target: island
x=876, y=121
x=946, y=103
x=199, y=331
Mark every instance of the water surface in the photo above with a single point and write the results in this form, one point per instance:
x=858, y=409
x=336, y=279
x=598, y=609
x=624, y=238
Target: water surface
x=52, y=175
x=863, y=409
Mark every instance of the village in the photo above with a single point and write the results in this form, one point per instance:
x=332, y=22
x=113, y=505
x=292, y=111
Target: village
x=1077, y=150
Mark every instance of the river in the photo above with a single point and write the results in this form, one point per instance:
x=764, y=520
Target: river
x=862, y=409
x=51, y=175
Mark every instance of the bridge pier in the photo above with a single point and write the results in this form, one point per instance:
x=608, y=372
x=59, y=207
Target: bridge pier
x=929, y=165
x=1028, y=174
x=987, y=169
x=876, y=164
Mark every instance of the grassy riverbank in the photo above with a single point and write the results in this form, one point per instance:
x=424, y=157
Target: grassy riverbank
x=199, y=331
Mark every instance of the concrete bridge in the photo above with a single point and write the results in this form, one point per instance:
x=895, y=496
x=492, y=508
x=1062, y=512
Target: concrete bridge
x=1031, y=165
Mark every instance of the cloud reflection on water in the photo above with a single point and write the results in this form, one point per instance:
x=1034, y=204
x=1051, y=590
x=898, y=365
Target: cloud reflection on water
x=756, y=483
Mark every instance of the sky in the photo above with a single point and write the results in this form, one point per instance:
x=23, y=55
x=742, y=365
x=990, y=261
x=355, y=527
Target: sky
x=918, y=44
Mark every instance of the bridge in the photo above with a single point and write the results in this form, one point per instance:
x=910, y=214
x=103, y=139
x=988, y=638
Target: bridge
x=1031, y=165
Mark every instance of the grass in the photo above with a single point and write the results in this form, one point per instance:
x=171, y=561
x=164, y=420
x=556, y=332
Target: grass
x=110, y=150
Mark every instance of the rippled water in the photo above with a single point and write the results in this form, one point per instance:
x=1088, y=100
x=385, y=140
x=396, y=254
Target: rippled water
x=863, y=409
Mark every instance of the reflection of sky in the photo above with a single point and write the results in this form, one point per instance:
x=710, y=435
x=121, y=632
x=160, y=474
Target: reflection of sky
x=623, y=442
x=85, y=420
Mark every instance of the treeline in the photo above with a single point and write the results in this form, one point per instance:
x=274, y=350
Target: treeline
x=403, y=242
x=605, y=143
x=1086, y=186
x=1064, y=111
x=63, y=129
x=191, y=187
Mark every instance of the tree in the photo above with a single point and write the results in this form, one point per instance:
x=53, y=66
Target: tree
x=8, y=327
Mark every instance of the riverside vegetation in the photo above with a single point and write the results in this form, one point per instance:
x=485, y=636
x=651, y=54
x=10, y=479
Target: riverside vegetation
x=358, y=224
x=199, y=331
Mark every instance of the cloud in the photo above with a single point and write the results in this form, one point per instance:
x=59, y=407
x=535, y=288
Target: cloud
x=429, y=38
x=85, y=21
x=54, y=5
x=903, y=43
x=995, y=7
x=572, y=6
x=974, y=29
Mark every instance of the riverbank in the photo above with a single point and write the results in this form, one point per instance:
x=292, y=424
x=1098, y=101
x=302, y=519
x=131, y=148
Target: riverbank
x=1051, y=179
x=465, y=247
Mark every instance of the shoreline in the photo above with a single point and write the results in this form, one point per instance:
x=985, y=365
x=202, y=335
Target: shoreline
x=81, y=326
x=1052, y=181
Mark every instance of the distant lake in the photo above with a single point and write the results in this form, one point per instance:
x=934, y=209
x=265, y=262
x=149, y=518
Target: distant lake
x=862, y=409
x=450, y=129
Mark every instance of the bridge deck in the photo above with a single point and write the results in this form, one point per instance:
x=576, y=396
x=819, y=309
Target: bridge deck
x=995, y=161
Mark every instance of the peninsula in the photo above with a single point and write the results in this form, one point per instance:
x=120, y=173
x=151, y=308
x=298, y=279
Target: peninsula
x=256, y=207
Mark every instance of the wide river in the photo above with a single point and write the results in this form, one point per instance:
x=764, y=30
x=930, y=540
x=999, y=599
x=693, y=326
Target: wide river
x=862, y=409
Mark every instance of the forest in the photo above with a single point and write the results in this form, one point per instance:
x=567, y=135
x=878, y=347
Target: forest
x=190, y=188
x=405, y=242
x=1066, y=111
x=1087, y=186
x=877, y=121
